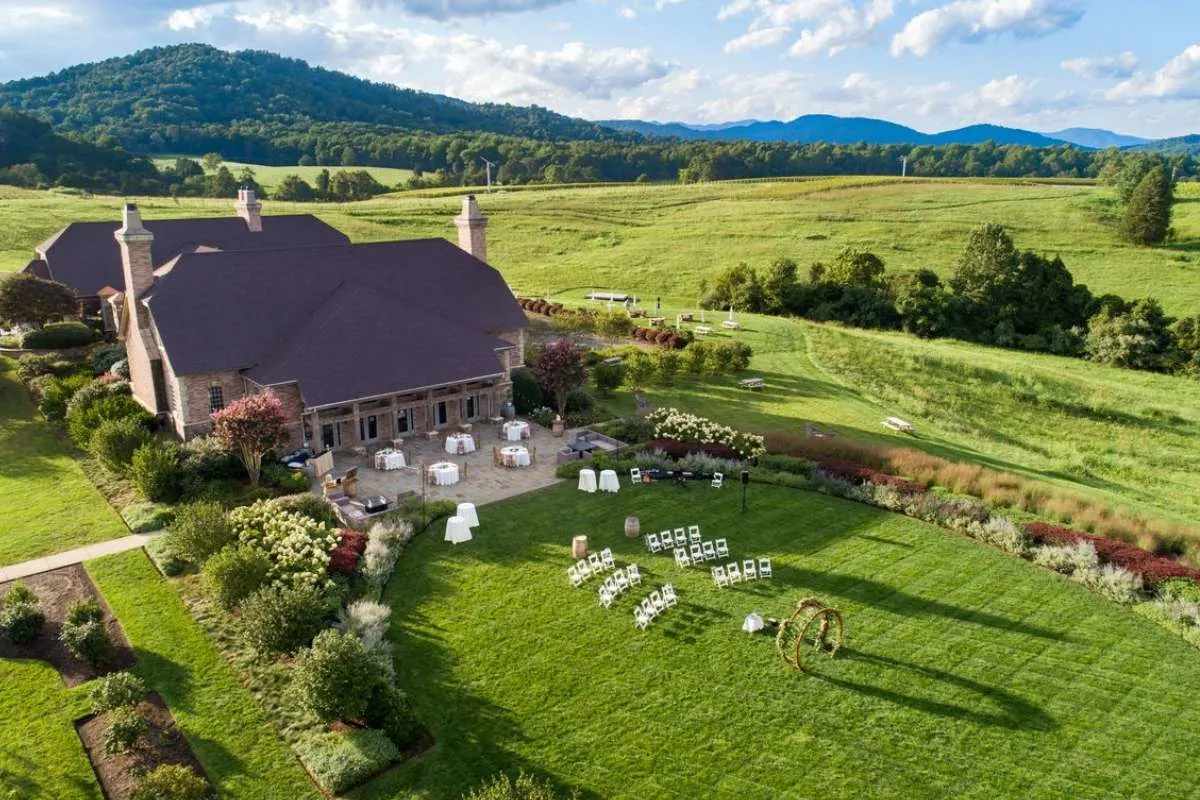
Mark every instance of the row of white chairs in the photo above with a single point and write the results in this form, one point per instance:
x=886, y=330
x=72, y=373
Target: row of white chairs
x=749, y=571
x=654, y=604
x=618, y=582
x=594, y=564
x=667, y=540
x=700, y=552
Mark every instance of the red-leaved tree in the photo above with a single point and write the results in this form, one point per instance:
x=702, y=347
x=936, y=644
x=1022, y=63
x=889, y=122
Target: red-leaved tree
x=253, y=425
x=560, y=369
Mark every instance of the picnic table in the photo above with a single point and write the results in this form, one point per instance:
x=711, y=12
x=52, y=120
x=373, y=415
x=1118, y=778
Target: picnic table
x=732, y=325
x=703, y=329
x=753, y=383
x=899, y=425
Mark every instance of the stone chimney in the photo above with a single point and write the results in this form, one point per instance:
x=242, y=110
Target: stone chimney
x=249, y=209
x=471, y=224
x=136, y=259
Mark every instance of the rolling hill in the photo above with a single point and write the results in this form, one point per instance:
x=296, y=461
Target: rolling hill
x=1097, y=138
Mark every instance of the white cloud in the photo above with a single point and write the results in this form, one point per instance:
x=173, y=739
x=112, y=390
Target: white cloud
x=1008, y=92
x=1179, y=79
x=832, y=25
x=859, y=92
x=627, y=12
x=975, y=20
x=1118, y=66
x=23, y=16
x=763, y=37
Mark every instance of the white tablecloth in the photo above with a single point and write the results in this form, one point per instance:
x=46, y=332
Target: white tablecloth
x=467, y=512
x=455, y=441
x=587, y=480
x=515, y=454
x=608, y=481
x=516, y=430
x=457, y=530
x=444, y=473
x=389, y=459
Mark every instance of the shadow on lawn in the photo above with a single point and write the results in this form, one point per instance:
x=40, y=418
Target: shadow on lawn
x=888, y=598
x=24, y=784
x=1010, y=711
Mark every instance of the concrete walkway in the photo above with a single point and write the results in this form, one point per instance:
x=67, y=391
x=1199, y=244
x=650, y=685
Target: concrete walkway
x=76, y=556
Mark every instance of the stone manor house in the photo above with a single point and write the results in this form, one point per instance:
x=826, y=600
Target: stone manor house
x=361, y=342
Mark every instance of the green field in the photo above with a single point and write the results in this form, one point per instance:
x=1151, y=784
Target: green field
x=967, y=673
x=269, y=177
x=48, y=504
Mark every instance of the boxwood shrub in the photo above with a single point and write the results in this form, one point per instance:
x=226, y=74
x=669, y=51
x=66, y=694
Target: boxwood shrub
x=58, y=335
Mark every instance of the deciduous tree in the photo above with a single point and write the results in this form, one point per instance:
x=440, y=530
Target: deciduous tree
x=253, y=426
x=560, y=369
x=29, y=300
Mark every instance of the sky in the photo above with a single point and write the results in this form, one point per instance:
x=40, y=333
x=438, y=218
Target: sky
x=1132, y=66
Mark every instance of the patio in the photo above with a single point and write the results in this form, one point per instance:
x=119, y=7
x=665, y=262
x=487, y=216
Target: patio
x=480, y=481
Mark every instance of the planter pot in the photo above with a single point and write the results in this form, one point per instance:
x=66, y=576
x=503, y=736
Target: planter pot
x=633, y=528
x=579, y=547
x=557, y=427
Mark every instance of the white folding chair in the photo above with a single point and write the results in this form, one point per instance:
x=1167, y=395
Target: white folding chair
x=718, y=479
x=735, y=574
x=621, y=580
x=606, y=557
x=573, y=574
x=668, y=540
x=710, y=553
x=722, y=548
x=606, y=597
x=610, y=583
x=719, y=576
x=585, y=570
x=694, y=536
x=681, y=557
x=764, y=568
x=697, y=554
x=633, y=574
x=635, y=475
x=694, y=531
x=649, y=608
x=669, y=596
x=680, y=536
x=657, y=601
x=594, y=563
x=653, y=543
x=641, y=619
x=749, y=570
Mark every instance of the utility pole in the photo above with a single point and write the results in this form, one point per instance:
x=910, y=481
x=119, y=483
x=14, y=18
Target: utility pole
x=489, y=172
x=903, y=166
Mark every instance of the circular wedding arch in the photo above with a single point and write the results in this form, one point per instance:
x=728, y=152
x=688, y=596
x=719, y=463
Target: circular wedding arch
x=813, y=628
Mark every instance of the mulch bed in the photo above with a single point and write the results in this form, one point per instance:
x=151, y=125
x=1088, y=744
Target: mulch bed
x=118, y=773
x=57, y=590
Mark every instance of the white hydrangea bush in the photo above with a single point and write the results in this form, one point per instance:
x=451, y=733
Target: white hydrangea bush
x=671, y=423
x=297, y=545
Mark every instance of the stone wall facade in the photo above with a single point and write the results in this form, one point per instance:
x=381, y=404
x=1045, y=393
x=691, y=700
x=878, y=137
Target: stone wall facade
x=193, y=417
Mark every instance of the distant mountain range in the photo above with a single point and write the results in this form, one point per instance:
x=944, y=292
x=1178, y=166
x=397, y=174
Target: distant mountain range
x=852, y=130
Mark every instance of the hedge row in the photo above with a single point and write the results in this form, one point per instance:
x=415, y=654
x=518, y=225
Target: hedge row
x=662, y=337
x=857, y=473
x=541, y=306
x=1153, y=569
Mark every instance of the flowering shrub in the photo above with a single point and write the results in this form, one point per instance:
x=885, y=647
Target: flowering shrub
x=673, y=450
x=671, y=423
x=850, y=471
x=350, y=546
x=1152, y=569
x=298, y=546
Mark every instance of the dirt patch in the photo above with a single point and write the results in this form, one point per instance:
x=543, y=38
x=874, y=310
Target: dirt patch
x=56, y=591
x=118, y=772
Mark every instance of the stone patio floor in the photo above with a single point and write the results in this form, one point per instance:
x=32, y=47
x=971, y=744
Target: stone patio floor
x=482, y=482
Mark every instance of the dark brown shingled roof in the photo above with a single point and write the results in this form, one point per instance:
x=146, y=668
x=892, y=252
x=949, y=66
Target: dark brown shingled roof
x=423, y=310
x=85, y=256
x=39, y=268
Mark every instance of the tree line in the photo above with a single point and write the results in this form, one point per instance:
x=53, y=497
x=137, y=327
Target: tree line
x=996, y=295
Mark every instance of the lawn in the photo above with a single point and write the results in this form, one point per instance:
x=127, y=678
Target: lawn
x=48, y=503
x=226, y=728
x=967, y=672
x=40, y=754
x=269, y=176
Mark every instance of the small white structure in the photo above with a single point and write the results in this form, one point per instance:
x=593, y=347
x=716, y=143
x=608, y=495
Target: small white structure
x=457, y=530
x=753, y=623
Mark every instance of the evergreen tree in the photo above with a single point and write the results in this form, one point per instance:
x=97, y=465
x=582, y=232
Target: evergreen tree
x=1147, y=217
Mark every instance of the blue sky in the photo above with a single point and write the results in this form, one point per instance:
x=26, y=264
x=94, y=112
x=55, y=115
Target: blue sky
x=1129, y=65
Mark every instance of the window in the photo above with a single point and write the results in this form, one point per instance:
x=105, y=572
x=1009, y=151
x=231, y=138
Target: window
x=469, y=407
x=404, y=421
x=441, y=415
x=216, y=399
x=368, y=428
x=475, y=406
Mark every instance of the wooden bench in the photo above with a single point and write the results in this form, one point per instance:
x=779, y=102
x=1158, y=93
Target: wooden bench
x=653, y=320
x=752, y=383
x=898, y=425
x=702, y=329
x=731, y=325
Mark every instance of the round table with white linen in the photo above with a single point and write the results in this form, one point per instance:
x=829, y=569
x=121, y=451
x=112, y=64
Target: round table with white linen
x=457, y=530
x=467, y=512
x=515, y=455
x=444, y=473
x=460, y=443
x=587, y=480
x=389, y=459
x=608, y=481
x=516, y=430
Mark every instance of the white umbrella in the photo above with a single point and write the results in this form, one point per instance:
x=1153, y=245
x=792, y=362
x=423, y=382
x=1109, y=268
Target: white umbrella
x=753, y=624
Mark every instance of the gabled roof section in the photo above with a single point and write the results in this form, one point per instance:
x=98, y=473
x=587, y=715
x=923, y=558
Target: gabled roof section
x=38, y=268
x=236, y=310
x=85, y=256
x=356, y=345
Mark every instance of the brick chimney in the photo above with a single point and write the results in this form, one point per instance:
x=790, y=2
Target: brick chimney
x=136, y=259
x=471, y=224
x=249, y=209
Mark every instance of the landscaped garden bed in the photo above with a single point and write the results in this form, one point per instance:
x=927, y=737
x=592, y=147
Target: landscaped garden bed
x=57, y=592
